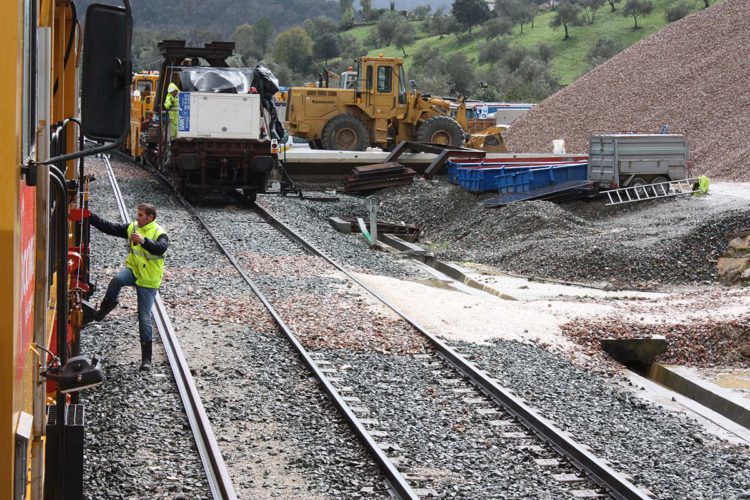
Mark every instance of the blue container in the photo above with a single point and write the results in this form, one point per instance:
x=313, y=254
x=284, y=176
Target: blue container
x=453, y=167
x=521, y=180
x=480, y=180
x=557, y=174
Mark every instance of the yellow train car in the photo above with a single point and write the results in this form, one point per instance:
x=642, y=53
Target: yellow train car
x=142, y=96
x=43, y=228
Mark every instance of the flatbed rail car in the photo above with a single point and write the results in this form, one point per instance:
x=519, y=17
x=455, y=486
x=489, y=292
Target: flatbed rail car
x=44, y=238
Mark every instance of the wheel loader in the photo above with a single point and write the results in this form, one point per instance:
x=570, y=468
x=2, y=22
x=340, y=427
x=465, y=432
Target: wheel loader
x=377, y=111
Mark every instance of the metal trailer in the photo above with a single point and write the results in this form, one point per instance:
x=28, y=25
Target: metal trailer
x=630, y=160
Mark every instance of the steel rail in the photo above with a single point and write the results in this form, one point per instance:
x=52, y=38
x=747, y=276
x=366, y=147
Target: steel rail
x=395, y=481
x=216, y=470
x=594, y=468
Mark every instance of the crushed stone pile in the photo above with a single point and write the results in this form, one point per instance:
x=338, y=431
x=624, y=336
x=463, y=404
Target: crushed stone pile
x=673, y=241
x=692, y=75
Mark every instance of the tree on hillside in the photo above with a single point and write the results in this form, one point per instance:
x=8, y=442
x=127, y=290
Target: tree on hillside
x=350, y=48
x=590, y=7
x=388, y=25
x=262, y=33
x=294, y=48
x=519, y=12
x=612, y=4
x=440, y=23
x=492, y=52
x=470, y=12
x=676, y=12
x=244, y=41
x=405, y=35
x=460, y=74
x=603, y=50
x=535, y=5
x=327, y=46
x=567, y=14
x=366, y=6
x=346, y=6
x=495, y=27
x=319, y=26
x=421, y=11
x=545, y=52
x=636, y=9
x=706, y=4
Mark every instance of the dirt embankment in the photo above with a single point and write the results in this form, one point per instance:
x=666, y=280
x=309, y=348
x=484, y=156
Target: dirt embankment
x=693, y=76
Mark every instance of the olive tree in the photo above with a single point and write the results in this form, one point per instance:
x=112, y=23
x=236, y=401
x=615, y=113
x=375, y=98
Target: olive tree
x=636, y=9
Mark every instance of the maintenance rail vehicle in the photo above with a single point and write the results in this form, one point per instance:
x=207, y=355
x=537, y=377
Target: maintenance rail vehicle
x=50, y=63
x=228, y=133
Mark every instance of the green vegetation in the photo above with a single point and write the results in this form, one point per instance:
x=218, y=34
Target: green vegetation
x=521, y=50
x=569, y=57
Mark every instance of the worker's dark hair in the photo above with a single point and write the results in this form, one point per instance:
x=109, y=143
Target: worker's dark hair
x=147, y=208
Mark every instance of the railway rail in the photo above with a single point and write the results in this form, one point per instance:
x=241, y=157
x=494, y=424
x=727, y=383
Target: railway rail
x=592, y=468
x=217, y=474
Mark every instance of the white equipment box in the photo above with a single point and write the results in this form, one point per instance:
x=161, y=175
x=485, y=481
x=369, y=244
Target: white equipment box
x=218, y=116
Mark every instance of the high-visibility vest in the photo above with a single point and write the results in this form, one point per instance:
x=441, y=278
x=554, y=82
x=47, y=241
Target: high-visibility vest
x=148, y=268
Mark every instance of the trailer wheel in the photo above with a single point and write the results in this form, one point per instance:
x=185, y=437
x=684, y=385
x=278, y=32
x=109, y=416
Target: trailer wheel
x=639, y=183
x=345, y=132
x=441, y=130
x=664, y=189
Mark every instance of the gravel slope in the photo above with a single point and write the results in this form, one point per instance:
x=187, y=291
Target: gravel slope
x=646, y=245
x=692, y=75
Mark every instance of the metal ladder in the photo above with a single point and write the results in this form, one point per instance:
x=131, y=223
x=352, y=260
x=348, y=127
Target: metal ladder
x=644, y=192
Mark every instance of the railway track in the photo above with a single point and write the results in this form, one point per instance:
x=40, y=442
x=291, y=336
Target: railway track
x=576, y=470
x=216, y=470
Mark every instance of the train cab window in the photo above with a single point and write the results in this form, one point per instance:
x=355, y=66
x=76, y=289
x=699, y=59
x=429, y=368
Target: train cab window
x=385, y=79
x=143, y=87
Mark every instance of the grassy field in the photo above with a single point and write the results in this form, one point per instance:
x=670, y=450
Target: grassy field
x=569, y=56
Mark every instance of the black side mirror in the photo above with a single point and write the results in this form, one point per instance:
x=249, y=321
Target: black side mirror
x=105, y=82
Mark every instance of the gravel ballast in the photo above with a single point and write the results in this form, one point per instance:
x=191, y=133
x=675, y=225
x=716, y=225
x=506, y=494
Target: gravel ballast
x=664, y=451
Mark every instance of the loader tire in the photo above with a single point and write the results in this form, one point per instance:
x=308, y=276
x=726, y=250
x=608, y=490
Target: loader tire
x=345, y=132
x=441, y=130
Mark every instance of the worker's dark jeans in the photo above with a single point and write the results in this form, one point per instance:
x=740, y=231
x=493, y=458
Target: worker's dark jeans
x=146, y=298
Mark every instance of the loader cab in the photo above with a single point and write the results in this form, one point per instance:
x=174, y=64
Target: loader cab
x=384, y=85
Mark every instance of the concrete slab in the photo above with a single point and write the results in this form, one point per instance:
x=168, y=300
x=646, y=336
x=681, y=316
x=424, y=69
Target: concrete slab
x=710, y=420
x=688, y=382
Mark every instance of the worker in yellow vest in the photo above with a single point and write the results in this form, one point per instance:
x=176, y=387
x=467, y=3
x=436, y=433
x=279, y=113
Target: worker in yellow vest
x=171, y=105
x=144, y=269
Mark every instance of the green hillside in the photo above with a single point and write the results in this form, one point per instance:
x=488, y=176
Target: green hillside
x=569, y=56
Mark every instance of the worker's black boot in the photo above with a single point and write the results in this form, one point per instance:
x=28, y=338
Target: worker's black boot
x=105, y=308
x=146, y=356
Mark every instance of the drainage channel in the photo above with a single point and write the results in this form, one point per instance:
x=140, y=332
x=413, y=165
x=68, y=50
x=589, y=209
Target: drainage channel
x=213, y=463
x=592, y=467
